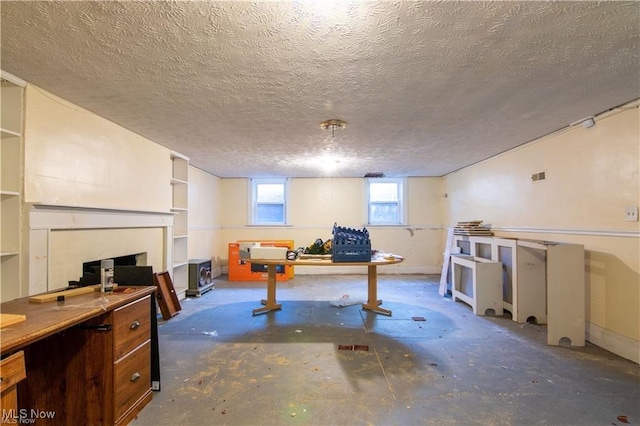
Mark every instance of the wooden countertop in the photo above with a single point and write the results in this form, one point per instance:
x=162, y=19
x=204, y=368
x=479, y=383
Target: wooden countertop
x=45, y=319
x=322, y=261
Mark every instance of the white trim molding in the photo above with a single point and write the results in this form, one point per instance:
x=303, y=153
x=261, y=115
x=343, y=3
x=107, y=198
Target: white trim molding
x=63, y=217
x=613, y=342
x=13, y=79
x=622, y=233
x=429, y=227
x=43, y=219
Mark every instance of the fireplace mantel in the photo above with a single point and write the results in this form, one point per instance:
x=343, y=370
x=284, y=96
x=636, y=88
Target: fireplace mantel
x=45, y=216
x=61, y=238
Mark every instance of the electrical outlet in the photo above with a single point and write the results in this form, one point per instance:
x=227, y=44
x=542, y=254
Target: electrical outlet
x=631, y=214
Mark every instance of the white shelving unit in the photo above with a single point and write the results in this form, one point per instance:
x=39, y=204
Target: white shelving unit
x=11, y=128
x=542, y=280
x=180, y=207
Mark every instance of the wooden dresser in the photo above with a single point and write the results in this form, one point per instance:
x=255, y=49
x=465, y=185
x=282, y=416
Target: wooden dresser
x=87, y=358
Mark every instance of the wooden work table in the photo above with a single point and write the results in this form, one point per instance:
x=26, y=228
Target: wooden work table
x=87, y=358
x=372, y=304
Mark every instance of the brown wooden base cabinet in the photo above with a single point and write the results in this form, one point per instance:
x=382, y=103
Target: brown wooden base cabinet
x=96, y=372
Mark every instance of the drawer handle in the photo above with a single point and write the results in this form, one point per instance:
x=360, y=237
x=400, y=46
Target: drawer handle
x=134, y=325
x=135, y=377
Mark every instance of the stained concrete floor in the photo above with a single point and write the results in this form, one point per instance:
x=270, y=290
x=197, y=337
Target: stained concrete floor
x=222, y=366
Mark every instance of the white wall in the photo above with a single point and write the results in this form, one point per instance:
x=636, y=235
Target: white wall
x=316, y=204
x=76, y=158
x=70, y=248
x=92, y=189
x=204, y=220
x=592, y=176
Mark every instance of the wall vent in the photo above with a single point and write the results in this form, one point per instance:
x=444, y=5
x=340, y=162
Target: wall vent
x=374, y=175
x=536, y=177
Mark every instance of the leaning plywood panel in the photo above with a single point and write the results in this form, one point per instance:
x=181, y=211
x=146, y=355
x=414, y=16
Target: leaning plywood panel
x=530, y=291
x=565, y=294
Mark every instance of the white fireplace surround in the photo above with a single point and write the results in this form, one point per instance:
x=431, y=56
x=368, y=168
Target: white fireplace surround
x=61, y=238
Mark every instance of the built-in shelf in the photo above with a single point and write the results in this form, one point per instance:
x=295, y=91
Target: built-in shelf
x=179, y=206
x=11, y=171
x=175, y=181
x=9, y=133
x=542, y=281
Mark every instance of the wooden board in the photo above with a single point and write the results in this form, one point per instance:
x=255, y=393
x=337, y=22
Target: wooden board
x=52, y=297
x=10, y=319
x=472, y=228
x=166, y=294
x=442, y=290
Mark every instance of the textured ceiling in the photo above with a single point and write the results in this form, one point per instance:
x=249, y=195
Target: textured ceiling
x=241, y=87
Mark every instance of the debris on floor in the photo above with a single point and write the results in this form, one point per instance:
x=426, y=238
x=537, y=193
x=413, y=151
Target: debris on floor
x=353, y=347
x=346, y=300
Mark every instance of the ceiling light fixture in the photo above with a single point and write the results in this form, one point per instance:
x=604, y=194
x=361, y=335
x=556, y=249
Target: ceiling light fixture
x=333, y=125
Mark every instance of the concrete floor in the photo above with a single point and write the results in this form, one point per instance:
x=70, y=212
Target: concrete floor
x=221, y=365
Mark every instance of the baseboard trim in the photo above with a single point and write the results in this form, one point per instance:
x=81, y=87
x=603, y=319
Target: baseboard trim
x=621, y=233
x=613, y=342
x=216, y=271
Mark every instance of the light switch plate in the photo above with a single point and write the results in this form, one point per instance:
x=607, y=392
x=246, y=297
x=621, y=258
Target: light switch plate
x=631, y=214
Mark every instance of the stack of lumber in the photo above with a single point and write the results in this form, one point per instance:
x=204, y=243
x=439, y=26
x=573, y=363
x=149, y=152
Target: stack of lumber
x=472, y=228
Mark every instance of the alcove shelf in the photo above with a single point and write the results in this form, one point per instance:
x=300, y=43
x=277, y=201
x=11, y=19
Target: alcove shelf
x=11, y=158
x=542, y=281
x=180, y=208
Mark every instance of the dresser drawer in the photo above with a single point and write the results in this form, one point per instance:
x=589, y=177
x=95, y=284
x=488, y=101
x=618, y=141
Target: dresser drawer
x=132, y=378
x=131, y=326
x=12, y=371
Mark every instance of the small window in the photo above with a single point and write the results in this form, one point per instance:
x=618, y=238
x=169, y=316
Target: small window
x=386, y=201
x=269, y=201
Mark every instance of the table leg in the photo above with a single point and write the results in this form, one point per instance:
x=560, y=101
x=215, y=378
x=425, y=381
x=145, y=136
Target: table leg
x=270, y=303
x=373, y=304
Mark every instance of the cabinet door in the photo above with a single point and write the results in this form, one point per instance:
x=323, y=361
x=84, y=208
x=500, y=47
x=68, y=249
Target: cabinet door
x=71, y=373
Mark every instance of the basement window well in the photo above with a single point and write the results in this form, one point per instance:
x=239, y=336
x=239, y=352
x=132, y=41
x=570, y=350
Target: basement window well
x=385, y=201
x=269, y=201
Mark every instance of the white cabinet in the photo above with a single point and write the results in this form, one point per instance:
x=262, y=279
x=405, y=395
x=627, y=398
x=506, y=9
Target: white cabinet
x=179, y=206
x=478, y=283
x=541, y=281
x=11, y=128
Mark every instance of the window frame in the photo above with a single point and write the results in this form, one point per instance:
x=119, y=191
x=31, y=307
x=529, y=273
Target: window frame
x=253, y=202
x=402, y=200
